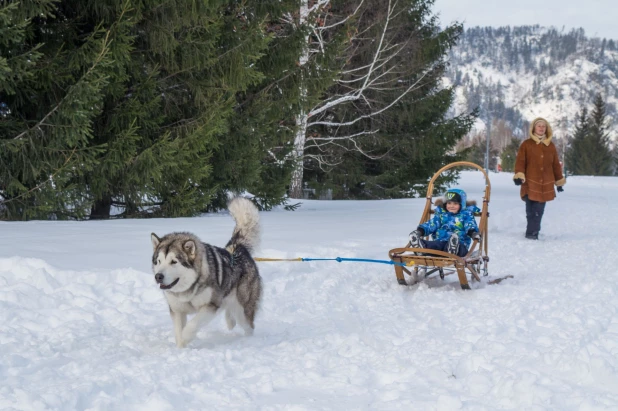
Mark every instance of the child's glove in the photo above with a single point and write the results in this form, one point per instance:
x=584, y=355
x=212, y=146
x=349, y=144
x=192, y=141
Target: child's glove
x=415, y=238
x=475, y=235
x=518, y=181
x=560, y=189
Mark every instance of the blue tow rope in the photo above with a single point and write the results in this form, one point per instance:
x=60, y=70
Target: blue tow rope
x=338, y=259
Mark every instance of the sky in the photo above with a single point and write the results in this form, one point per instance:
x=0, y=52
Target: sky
x=598, y=17
x=84, y=326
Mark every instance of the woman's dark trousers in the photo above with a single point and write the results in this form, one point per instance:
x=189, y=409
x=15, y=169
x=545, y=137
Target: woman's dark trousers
x=534, y=214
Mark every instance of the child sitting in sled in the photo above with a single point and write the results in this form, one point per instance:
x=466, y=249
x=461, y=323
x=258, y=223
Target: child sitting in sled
x=453, y=225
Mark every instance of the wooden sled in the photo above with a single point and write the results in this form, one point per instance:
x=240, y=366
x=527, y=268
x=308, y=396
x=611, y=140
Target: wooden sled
x=422, y=266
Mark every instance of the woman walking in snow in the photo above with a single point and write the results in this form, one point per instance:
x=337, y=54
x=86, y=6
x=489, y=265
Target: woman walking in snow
x=537, y=170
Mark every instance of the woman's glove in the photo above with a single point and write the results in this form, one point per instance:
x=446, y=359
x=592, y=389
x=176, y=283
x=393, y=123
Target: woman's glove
x=518, y=181
x=560, y=189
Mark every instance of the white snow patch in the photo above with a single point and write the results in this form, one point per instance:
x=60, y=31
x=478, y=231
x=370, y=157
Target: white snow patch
x=85, y=327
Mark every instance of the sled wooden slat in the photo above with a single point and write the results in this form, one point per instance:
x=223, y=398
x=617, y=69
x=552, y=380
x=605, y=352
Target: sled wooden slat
x=471, y=263
x=424, y=260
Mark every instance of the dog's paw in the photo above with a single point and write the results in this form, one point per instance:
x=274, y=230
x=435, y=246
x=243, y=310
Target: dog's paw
x=188, y=334
x=181, y=344
x=229, y=319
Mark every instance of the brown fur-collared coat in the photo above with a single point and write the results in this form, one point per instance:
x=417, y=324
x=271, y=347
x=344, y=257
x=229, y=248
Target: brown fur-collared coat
x=539, y=166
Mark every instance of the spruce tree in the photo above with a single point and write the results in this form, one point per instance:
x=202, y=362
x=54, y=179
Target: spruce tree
x=599, y=139
x=589, y=152
x=577, y=160
x=52, y=95
x=262, y=127
x=128, y=106
x=188, y=61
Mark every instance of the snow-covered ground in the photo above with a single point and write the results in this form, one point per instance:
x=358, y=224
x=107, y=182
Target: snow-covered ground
x=83, y=325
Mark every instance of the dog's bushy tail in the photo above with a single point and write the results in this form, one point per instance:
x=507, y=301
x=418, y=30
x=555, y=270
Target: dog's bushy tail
x=247, y=230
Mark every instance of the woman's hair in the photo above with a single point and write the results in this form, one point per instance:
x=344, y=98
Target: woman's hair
x=548, y=132
x=540, y=120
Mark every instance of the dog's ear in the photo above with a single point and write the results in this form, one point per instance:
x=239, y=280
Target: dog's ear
x=189, y=248
x=155, y=241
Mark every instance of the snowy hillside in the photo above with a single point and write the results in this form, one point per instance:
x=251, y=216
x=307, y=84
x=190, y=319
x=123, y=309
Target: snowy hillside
x=85, y=327
x=519, y=73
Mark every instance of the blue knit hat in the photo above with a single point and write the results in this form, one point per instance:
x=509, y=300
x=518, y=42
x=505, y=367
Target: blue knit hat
x=457, y=195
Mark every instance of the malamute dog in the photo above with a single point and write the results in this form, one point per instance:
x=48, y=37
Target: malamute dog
x=200, y=278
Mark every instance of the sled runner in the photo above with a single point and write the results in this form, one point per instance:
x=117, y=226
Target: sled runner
x=420, y=263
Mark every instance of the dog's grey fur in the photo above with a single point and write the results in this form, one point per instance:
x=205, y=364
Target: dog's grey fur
x=200, y=278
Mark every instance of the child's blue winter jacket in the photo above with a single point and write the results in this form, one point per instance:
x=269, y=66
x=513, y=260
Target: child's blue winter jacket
x=444, y=223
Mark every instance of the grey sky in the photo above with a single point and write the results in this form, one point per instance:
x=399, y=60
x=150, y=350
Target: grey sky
x=599, y=18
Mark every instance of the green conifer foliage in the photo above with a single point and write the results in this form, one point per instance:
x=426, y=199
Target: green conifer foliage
x=599, y=139
x=167, y=129
x=408, y=140
x=589, y=152
x=576, y=160
x=255, y=156
x=123, y=103
x=52, y=95
x=509, y=155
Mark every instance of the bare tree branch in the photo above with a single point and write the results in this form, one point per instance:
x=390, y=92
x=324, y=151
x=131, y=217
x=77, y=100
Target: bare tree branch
x=354, y=96
x=375, y=113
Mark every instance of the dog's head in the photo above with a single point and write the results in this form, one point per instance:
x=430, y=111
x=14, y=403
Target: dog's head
x=173, y=261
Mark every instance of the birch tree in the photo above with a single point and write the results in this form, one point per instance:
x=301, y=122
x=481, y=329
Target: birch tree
x=345, y=115
x=399, y=130
x=318, y=22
